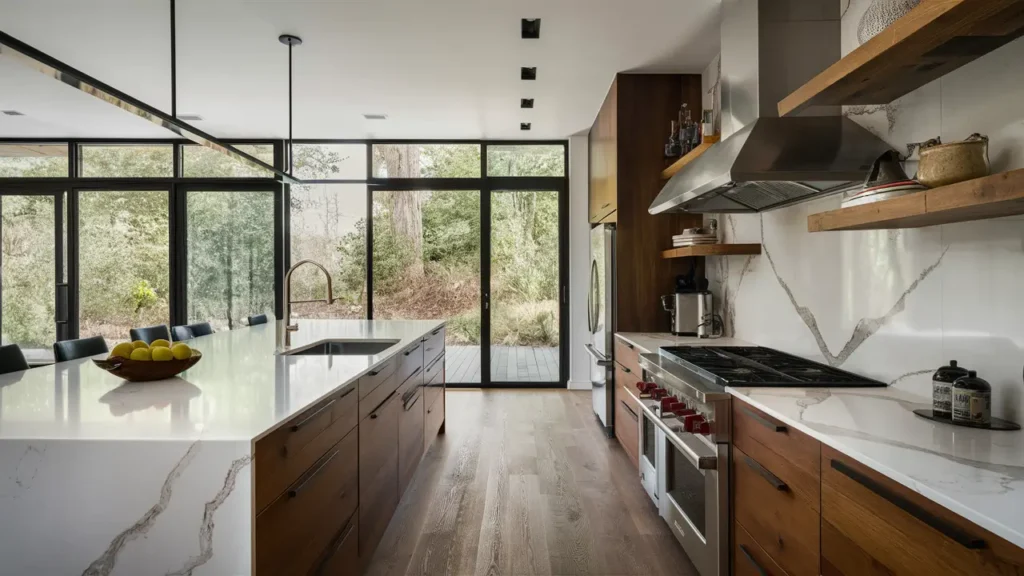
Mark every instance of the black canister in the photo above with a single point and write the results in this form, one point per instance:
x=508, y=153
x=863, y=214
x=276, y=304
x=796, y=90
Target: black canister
x=972, y=400
x=942, y=388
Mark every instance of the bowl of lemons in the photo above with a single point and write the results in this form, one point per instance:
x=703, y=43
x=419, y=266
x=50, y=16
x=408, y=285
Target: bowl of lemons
x=141, y=362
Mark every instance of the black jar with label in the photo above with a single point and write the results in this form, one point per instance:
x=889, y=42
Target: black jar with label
x=972, y=400
x=942, y=388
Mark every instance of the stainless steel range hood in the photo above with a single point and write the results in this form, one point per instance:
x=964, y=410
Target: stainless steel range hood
x=770, y=48
x=53, y=68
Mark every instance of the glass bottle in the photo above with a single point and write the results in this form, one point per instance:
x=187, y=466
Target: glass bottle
x=972, y=400
x=942, y=389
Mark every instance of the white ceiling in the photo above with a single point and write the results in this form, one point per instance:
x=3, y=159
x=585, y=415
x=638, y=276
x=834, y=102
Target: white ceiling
x=437, y=68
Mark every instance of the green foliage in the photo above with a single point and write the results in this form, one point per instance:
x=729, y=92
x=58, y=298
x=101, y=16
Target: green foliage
x=143, y=296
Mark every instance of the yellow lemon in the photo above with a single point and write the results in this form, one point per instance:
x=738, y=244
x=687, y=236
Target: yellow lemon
x=181, y=351
x=142, y=354
x=161, y=353
x=159, y=342
x=140, y=344
x=122, y=350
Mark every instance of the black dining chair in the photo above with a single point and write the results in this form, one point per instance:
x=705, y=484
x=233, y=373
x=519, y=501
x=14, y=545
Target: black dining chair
x=75, y=349
x=150, y=333
x=257, y=319
x=201, y=329
x=11, y=359
x=181, y=333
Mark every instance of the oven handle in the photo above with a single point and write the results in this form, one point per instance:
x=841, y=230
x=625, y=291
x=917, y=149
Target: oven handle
x=699, y=462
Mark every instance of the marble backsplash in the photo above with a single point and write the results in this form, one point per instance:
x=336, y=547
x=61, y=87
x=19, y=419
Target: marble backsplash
x=896, y=304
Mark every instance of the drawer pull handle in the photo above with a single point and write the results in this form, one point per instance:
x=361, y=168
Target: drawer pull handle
x=415, y=400
x=339, y=539
x=944, y=527
x=434, y=362
x=308, y=419
x=626, y=370
x=436, y=332
x=375, y=413
x=763, y=421
x=771, y=478
x=411, y=350
x=630, y=410
x=628, y=345
x=295, y=491
x=750, y=558
x=378, y=371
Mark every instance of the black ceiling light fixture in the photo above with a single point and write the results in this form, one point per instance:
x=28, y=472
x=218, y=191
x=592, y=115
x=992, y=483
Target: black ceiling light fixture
x=53, y=68
x=524, y=125
x=528, y=73
x=526, y=102
x=291, y=41
x=530, y=28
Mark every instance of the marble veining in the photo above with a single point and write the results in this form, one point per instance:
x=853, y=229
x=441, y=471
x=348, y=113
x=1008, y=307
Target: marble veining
x=978, y=474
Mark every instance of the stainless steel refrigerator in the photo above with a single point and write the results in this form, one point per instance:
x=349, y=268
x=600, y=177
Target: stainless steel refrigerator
x=601, y=322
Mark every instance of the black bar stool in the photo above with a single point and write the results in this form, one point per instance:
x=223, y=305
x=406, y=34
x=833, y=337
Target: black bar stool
x=75, y=349
x=11, y=359
x=257, y=319
x=150, y=333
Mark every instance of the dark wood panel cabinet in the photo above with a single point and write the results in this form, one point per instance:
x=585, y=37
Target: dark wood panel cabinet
x=627, y=148
x=378, y=472
x=410, y=431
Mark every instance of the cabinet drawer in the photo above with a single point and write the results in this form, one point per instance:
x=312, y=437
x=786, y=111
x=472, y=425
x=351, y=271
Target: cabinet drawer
x=342, y=555
x=434, y=373
x=871, y=524
x=783, y=524
x=295, y=529
x=284, y=454
x=433, y=345
x=628, y=356
x=410, y=432
x=627, y=424
x=434, y=419
x=787, y=452
x=377, y=376
x=374, y=399
x=625, y=377
x=378, y=472
x=410, y=363
x=749, y=559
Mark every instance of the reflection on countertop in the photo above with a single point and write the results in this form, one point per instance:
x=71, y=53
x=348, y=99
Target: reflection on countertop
x=240, y=390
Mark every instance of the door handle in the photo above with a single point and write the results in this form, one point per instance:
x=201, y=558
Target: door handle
x=602, y=361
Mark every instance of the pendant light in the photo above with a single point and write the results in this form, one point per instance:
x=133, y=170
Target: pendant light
x=291, y=41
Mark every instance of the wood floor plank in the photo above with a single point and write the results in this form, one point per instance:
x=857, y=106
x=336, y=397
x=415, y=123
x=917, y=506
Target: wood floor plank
x=523, y=482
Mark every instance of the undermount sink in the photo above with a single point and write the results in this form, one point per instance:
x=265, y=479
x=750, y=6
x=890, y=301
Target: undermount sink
x=344, y=348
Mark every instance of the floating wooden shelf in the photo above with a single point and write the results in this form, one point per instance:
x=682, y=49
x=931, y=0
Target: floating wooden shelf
x=712, y=250
x=930, y=41
x=989, y=197
x=690, y=156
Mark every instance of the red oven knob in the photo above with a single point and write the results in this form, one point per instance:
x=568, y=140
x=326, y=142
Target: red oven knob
x=692, y=422
x=667, y=403
x=704, y=428
x=673, y=408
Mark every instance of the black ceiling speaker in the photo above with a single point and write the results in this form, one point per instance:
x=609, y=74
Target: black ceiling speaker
x=528, y=73
x=526, y=102
x=524, y=125
x=531, y=28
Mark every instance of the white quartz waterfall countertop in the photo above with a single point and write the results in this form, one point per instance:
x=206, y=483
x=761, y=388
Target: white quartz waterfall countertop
x=979, y=474
x=240, y=390
x=651, y=341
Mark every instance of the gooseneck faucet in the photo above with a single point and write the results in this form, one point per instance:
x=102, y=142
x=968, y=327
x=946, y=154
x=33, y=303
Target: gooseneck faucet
x=287, y=315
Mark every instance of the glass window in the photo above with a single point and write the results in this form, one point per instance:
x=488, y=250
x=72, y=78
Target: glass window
x=526, y=160
x=202, y=162
x=330, y=161
x=128, y=161
x=123, y=262
x=426, y=160
x=27, y=282
x=328, y=226
x=33, y=160
x=230, y=256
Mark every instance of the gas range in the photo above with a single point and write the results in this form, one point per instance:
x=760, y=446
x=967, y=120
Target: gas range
x=761, y=367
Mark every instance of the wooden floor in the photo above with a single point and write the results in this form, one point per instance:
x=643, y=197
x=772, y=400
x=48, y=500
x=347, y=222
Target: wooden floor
x=508, y=364
x=524, y=482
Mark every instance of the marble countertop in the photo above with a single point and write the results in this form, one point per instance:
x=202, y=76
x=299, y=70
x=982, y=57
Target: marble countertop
x=240, y=390
x=978, y=474
x=651, y=341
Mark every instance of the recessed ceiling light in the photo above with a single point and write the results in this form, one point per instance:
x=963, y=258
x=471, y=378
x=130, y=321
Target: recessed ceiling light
x=190, y=117
x=11, y=113
x=524, y=125
x=375, y=116
x=528, y=73
x=526, y=102
x=531, y=28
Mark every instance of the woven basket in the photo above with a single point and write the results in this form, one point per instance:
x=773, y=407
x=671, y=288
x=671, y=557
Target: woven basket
x=142, y=371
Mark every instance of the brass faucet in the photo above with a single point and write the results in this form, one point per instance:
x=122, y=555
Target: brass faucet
x=288, y=327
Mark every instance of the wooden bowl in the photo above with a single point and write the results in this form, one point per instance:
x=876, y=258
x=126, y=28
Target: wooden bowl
x=147, y=371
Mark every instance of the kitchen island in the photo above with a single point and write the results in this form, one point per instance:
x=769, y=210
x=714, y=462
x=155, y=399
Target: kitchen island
x=251, y=462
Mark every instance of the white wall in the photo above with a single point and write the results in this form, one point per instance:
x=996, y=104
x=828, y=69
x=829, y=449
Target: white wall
x=897, y=304
x=579, y=261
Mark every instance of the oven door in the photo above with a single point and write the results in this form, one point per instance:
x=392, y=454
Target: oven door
x=651, y=438
x=694, y=499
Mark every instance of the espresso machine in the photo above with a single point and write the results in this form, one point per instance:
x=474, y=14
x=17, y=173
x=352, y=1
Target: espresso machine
x=691, y=308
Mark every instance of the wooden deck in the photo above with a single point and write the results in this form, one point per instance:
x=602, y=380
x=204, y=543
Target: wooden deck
x=508, y=364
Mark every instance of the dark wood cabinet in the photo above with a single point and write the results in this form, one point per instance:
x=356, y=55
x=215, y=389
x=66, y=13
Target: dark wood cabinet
x=627, y=149
x=342, y=557
x=378, y=472
x=410, y=431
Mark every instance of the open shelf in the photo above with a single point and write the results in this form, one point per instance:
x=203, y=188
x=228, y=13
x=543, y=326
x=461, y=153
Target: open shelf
x=930, y=41
x=989, y=197
x=712, y=250
x=690, y=156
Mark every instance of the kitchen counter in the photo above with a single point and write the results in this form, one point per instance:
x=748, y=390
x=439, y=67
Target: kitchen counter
x=651, y=341
x=102, y=477
x=977, y=474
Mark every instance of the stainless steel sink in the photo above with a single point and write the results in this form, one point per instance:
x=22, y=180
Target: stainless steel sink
x=343, y=348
